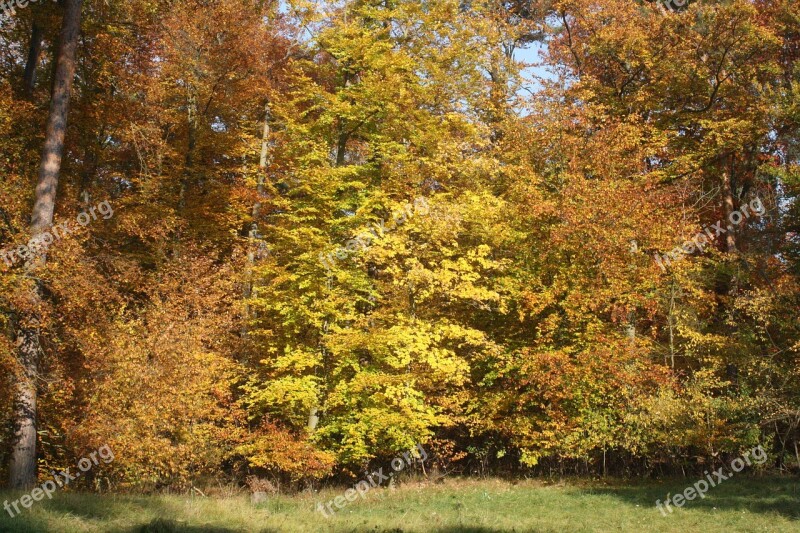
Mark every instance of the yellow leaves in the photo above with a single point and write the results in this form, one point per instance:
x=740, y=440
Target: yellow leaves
x=290, y=397
x=294, y=360
x=529, y=458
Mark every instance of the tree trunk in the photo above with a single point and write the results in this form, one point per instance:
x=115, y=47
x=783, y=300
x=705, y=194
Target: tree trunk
x=341, y=149
x=671, y=318
x=254, y=232
x=731, y=370
x=34, y=51
x=313, y=419
x=193, y=121
x=344, y=134
x=22, y=467
x=728, y=204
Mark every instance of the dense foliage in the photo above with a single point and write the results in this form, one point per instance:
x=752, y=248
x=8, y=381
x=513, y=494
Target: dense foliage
x=344, y=228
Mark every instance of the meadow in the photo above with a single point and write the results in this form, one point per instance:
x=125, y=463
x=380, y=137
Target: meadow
x=452, y=506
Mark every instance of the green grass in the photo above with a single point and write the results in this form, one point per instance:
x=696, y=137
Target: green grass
x=470, y=506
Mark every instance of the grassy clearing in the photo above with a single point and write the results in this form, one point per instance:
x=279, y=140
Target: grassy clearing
x=743, y=504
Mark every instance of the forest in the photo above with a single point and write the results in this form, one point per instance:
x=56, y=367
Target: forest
x=280, y=243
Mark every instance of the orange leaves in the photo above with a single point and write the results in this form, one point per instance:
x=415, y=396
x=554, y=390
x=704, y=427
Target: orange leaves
x=275, y=450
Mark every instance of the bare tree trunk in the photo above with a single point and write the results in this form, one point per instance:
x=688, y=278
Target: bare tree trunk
x=262, y=165
x=193, y=121
x=313, y=419
x=254, y=233
x=797, y=453
x=731, y=370
x=728, y=204
x=34, y=51
x=341, y=148
x=23, y=467
x=344, y=135
x=671, y=318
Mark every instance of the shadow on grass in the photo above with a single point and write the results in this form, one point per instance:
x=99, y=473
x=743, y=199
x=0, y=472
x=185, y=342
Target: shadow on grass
x=452, y=529
x=24, y=526
x=93, y=508
x=755, y=495
x=87, y=508
x=168, y=526
x=32, y=525
x=468, y=529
